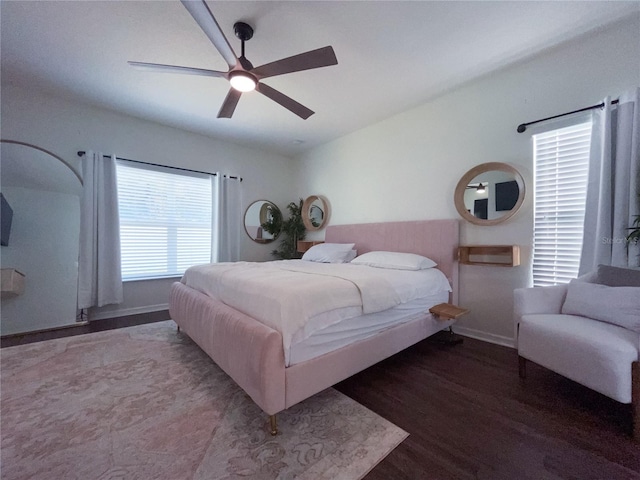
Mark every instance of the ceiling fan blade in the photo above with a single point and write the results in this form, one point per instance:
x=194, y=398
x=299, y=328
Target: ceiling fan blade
x=322, y=57
x=288, y=103
x=229, y=104
x=203, y=16
x=158, y=67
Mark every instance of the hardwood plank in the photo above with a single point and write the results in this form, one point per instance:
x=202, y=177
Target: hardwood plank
x=469, y=415
x=93, y=326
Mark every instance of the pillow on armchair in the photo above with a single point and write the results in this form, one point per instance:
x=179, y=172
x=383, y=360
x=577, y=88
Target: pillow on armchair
x=617, y=276
x=617, y=305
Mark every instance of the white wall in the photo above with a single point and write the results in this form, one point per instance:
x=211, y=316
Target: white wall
x=44, y=247
x=407, y=167
x=64, y=127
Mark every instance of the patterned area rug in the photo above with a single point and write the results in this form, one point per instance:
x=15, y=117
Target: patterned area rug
x=146, y=403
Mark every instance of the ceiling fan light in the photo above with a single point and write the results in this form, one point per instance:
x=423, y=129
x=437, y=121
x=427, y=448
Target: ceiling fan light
x=243, y=82
x=481, y=188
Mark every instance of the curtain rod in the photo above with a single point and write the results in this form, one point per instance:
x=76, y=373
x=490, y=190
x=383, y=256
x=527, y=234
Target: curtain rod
x=82, y=152
x=523, y=126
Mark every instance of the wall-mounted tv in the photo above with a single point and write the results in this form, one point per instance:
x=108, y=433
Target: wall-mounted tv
x=481, y=208
x=6, y=217
x=506, y=195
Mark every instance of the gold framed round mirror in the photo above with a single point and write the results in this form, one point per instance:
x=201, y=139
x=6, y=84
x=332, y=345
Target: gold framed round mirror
x=262, y=221
x=489, y=193
x=315, y=212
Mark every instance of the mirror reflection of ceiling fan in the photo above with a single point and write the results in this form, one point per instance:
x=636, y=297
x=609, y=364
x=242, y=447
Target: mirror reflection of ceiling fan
x=479, y=188
x=242, y=75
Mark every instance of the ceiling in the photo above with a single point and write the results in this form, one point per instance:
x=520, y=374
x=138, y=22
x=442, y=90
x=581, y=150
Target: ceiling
x=392, y=56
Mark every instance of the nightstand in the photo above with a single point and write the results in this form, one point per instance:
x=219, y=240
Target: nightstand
x=448, y=311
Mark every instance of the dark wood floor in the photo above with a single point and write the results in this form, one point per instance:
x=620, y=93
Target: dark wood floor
x=469, y=416
x=94, y=326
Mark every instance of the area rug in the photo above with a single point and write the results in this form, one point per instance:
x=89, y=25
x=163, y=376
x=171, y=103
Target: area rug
x=146, y=403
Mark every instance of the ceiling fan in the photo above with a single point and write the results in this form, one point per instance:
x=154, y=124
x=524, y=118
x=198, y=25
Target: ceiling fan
x=241, y=74
x=479, y=188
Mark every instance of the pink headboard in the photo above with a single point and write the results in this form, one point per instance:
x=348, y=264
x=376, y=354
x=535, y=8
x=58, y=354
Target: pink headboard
x=436, y=239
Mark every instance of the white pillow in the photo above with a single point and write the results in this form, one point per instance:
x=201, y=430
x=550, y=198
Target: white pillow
x=395, y=260
x=617, y=305
x=350, y=256
x=330, y=253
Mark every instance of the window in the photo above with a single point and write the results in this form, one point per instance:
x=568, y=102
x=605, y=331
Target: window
x=561, y=159
x=165, y=220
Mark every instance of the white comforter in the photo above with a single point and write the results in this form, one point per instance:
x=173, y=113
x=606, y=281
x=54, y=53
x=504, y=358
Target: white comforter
x=286, y=295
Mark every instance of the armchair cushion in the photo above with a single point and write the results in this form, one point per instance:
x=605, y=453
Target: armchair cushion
x=616, y=305
x=595, y=354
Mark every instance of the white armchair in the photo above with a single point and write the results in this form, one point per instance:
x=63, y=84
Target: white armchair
x=600, y=355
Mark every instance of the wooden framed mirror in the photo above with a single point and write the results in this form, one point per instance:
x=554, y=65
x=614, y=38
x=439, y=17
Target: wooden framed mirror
x=489, y=193
x=263, y=221
x=315, y=212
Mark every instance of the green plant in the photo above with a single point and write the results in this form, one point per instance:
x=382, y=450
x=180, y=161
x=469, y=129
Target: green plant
x=293, y=229
x=634, y=236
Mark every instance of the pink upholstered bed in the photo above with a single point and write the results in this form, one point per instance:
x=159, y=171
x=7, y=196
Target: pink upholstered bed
x=252, y=353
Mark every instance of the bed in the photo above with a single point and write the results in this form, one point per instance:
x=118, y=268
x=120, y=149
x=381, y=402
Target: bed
x=253, y=353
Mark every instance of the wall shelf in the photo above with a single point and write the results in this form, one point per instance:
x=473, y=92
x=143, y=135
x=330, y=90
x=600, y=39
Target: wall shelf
x=12, y=283
x=448, y=311
x=489, y=255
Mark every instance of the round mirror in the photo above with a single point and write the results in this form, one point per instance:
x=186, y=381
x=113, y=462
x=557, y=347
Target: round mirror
x=315, y=212
x=489, y=193
x=263, y=221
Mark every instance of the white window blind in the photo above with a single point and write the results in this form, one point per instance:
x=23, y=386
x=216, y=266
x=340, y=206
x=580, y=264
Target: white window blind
x=561, y=160
x=165, y=220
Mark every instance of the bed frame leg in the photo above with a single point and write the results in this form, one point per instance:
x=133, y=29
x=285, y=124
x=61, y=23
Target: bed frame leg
x=273, y=425
x=178, y=328
x=522, y=367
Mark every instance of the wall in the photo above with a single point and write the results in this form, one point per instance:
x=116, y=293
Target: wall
x=64, y=127
x=44, y=247
x=407, y=167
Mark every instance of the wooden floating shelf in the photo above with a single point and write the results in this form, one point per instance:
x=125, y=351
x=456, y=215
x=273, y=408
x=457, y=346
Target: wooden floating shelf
x=304, y=245
x=12, y=283
x=490, y=255
x=448, y=310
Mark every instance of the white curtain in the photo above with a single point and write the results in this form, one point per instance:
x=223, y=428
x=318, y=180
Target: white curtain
x=99, y=276
x=227, y=218
x=614, y=186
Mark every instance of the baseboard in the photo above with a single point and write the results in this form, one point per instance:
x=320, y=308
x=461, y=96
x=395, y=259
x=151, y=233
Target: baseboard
x=129, y=311
x=484, y=336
